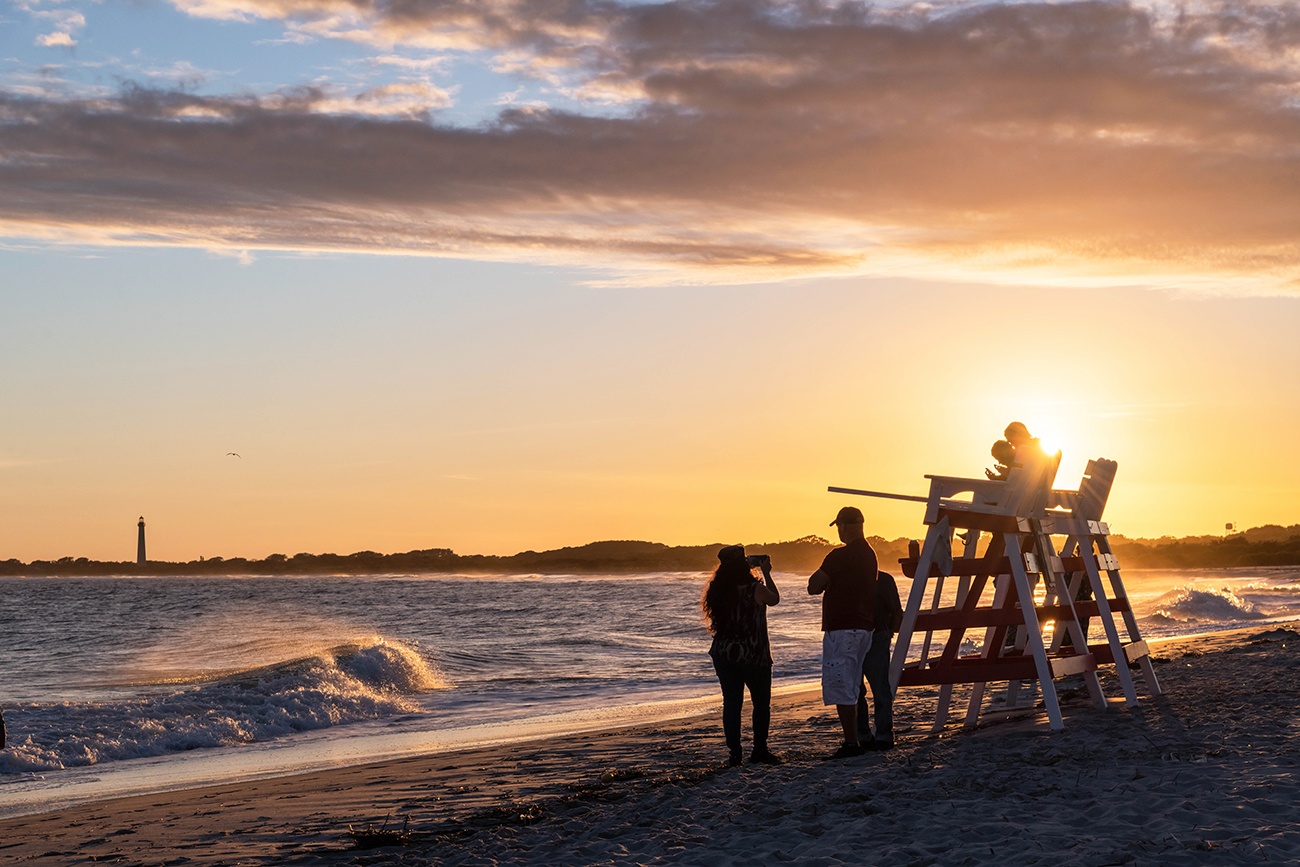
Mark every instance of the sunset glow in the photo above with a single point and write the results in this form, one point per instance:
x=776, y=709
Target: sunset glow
x=508, y=275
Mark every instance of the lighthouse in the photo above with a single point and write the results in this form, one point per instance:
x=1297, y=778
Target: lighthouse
x=139, y=545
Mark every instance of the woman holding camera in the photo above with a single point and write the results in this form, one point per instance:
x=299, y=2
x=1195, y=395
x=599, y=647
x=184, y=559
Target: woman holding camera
x=735, y=611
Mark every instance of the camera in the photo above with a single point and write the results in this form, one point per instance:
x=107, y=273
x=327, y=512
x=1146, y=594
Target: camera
x=758, y=560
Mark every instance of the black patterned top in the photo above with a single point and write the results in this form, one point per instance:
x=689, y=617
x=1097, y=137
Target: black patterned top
x=740, y=634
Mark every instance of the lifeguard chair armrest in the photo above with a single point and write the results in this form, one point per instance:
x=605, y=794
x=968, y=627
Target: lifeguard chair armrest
x=944, y=488
x=949, y=485
x=1024, y=491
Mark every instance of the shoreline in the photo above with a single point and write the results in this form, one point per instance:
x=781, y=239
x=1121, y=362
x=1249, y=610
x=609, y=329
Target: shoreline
x=340, y=748
x=247, y=763
x=321, y=752
x=1217, y=749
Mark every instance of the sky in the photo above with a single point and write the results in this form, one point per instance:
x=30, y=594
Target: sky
x=318, y=276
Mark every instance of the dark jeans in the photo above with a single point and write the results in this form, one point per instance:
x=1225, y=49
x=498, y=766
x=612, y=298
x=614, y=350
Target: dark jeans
x=876, y=670
x=734, y=678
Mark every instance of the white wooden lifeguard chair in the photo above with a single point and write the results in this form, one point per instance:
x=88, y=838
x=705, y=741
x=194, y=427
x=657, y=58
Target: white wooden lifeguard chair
x=1020, y=514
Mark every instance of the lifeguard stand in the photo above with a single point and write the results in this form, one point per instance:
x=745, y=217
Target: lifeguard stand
x=1026, y=637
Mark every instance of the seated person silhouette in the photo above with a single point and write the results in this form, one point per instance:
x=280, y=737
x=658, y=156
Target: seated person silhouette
x=1005, y=454
x=1022, y=441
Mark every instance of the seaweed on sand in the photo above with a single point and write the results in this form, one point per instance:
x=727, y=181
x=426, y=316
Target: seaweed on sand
x=373, y=838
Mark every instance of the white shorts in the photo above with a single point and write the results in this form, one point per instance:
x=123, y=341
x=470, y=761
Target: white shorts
x=843, y=651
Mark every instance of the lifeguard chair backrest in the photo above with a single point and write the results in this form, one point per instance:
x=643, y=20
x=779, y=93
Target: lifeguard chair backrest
x=1030, y=484
x=1094, y=490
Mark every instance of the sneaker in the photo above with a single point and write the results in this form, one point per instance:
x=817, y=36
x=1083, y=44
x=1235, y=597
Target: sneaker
x=764, y=757
x=880, y=746
x=846, y=751
x=735, y=761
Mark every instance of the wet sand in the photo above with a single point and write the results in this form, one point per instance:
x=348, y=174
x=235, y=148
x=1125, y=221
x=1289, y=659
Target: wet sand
x=1206, y=773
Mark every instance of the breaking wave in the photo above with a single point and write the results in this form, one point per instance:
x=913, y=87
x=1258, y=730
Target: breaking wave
x=346, y=684
x=1194, y=605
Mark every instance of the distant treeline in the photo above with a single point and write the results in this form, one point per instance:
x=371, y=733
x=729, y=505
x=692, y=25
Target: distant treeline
x=800, y=555
x=1271, y=545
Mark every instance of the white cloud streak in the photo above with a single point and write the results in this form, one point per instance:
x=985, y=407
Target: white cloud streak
x=1089, y=141
x=56, y=40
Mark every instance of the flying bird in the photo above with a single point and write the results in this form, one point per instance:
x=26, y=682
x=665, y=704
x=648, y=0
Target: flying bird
x=236, y=454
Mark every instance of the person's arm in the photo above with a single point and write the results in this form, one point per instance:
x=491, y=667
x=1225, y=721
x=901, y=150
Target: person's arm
x=893, y=604
x=767, y=592
x=818, y=583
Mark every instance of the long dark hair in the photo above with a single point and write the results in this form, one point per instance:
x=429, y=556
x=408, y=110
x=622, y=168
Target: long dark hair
x=718, y=601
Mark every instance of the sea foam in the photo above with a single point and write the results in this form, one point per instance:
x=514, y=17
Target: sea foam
x=1194, y=605
x=346, y=684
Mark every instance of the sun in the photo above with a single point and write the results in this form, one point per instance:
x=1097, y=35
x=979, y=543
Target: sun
x=1051, y=435
x=1056, y=436
x=1052, y=438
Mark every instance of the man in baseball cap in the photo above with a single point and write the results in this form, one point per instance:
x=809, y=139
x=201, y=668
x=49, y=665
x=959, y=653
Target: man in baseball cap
x=846, y=582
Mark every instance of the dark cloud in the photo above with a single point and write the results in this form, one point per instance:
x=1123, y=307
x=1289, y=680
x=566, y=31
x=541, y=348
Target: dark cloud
x=1090, y=138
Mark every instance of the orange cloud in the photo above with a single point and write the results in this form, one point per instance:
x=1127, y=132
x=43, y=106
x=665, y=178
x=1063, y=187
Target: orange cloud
x=1078, y=142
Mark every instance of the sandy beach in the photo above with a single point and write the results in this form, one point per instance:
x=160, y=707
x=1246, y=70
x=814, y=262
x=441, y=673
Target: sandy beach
x=1205, y=774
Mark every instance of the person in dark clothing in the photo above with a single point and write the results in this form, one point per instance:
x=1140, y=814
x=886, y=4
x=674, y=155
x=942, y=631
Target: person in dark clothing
x=846, y=582
x=735, y=610
x=875, y=668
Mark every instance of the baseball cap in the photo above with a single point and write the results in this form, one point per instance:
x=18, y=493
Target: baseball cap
x=848, y=515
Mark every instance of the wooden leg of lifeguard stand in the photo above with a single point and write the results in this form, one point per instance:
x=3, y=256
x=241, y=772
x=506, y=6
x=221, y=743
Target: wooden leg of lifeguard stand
x=993, y=635
x=920, y=580
x=1018, y=645
x=1061, y=592
x=970, y=547
x=1020, y=641
x=991, y=649
x=1130, y=620
x=945, y=690
x=1107, y=618
x=1034, y=635
x=1074, y=583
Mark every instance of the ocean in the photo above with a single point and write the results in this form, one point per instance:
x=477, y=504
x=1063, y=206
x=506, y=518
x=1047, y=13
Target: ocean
x=121, y=685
